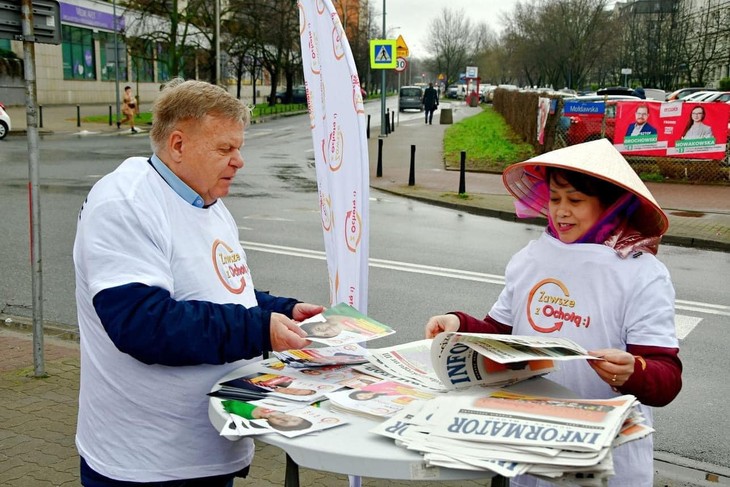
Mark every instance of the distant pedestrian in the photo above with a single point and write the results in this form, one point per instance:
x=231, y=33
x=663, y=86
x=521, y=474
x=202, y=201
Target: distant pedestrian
x=129, y=109
x=430, y=102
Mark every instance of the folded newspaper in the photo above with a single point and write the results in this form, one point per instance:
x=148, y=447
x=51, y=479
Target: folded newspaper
x=463, y=360
x=510, y=433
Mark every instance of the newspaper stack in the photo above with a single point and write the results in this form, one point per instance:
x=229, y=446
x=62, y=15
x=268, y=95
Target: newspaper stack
x=479, y=427
x=511, y=433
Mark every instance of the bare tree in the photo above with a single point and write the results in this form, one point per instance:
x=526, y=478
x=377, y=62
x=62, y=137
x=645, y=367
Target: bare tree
x=166, y=24
x=452, y=42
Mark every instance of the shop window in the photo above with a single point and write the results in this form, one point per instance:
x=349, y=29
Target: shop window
x=78, y=53
x=106, y=53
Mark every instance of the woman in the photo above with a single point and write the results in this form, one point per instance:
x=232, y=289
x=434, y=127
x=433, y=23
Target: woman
x=129, y=109
x=599, y=247
x=696, y=129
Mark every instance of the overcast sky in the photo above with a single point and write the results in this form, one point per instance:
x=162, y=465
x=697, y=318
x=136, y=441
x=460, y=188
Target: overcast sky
x=415, y=16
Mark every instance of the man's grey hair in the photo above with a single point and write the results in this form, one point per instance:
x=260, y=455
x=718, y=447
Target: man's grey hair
x=182, y=100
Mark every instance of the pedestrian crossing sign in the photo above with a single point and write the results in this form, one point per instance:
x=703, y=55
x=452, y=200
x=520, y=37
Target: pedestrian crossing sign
x=382, y=54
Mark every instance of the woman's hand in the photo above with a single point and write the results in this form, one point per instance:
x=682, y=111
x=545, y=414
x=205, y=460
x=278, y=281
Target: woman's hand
x=441, y=323
x=616, y=366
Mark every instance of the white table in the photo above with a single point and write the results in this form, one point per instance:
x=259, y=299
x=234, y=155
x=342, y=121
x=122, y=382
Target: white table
x=352, y=450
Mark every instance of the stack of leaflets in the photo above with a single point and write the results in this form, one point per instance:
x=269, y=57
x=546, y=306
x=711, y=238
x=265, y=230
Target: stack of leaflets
x=343, y=325
x=409, y=363
x=259, y=385
x=343, y=375
x=379, y=400
x=351, y=354
x=511, y=433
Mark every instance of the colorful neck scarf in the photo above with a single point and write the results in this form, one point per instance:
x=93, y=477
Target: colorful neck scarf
x=612, y=229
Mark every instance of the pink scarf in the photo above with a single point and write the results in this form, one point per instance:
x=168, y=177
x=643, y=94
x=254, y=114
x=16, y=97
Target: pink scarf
x=612, y=229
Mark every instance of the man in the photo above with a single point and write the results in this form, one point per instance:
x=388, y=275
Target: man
x=166, y=302
x=430, y=102
x=641, y=126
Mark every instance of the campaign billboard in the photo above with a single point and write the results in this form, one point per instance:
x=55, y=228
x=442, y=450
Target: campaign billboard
x=674, y=129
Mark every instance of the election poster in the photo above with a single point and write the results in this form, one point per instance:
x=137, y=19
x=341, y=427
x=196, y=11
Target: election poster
x=674, y=129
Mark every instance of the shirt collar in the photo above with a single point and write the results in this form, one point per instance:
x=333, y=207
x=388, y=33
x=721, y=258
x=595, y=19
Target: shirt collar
x=177, y=184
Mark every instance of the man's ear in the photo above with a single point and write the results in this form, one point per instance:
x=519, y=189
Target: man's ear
x=175, y=144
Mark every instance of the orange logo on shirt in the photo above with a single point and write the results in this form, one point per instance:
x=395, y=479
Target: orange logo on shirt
x=549, y=307
x=230, y=267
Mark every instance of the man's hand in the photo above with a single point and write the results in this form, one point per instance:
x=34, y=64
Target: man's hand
x=285, y=334
x=441, y=323
x=302, y=311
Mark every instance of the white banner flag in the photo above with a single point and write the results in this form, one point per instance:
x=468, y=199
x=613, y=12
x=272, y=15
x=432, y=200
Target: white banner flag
x=337, y=119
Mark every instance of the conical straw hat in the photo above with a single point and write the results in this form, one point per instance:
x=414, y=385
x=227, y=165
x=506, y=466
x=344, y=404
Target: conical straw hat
x=526, y=180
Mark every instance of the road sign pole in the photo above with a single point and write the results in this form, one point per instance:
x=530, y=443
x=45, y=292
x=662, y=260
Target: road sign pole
x=398, y=94
x=33, y=188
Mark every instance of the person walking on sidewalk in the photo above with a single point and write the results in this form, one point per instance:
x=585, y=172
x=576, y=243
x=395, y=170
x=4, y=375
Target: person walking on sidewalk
x=430, y=102
x=166, y=301
x=596, y=259
x=129, y=109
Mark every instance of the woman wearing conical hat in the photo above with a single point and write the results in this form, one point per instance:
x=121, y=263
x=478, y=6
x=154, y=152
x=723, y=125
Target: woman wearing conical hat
x=593, y=277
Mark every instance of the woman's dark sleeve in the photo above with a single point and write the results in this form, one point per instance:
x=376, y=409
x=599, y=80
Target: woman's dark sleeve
x=657, y=377
x=470, y=324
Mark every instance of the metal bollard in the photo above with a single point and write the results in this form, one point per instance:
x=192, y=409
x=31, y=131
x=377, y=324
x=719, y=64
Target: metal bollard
x=387, y=121
x=78, y=116
x=392, y=121
x=40, y=113
x=412, y=173
x=379, y=170
x=367, y=130
x=110, y=115
x=462, y=173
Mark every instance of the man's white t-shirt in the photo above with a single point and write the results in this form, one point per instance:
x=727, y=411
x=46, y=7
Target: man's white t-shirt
x=140, y=422
x=587, y=293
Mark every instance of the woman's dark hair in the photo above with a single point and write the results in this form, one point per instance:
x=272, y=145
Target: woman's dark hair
x=607, y=193
x=692, y=121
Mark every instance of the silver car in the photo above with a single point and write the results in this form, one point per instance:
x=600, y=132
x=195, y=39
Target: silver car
x=4, y=122
x=410, y=97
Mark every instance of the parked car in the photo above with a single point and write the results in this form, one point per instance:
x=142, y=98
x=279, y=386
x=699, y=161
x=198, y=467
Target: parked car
x=4, y=122
x=683, y=92
x=617, y=90
x=698, y=96
x=720, y=96
x=298, y=95
x=655, y=94
x=410, y=98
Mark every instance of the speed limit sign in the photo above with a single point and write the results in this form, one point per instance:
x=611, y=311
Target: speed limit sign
x=400, y=64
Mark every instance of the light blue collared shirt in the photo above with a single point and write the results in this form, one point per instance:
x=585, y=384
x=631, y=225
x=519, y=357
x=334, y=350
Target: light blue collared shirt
x=178, y=185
